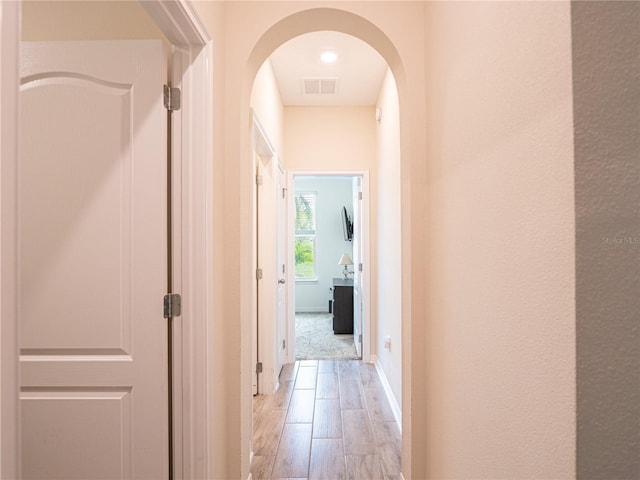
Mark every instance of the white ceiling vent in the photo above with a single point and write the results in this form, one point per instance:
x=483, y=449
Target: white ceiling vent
x=319, y=86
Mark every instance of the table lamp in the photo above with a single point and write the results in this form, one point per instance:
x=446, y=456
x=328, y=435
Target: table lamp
x=345, y=260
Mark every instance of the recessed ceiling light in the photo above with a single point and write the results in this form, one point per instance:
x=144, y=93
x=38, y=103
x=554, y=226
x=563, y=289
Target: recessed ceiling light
x=329, y=56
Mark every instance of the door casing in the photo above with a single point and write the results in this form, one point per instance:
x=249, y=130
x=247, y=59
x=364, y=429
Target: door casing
x=365, y=257
x=266, y=340
x=9, y=394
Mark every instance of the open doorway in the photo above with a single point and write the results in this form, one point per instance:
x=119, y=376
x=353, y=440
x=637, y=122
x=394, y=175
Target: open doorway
x=351, y=132
x=328, y=242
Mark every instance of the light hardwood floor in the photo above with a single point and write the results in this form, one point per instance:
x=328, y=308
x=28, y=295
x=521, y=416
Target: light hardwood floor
x=329, y=420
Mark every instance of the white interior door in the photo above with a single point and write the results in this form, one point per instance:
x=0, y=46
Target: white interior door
x=256, y=307
x=268, y=276
x=281, y=314
x=92, y=213
x=268, y=292
x=357, y=263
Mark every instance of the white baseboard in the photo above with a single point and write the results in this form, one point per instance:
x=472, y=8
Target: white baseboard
x=395, y=408
x=322, y=309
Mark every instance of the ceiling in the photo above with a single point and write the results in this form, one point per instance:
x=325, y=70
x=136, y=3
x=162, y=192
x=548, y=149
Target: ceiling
x=359, y=70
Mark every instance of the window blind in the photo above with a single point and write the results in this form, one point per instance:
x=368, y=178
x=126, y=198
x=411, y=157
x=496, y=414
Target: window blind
x=305, y=213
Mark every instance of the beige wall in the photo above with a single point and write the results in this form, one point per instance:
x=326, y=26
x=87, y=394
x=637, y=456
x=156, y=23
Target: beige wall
x=487, y=300
x=388, y=297
x=329, y=138
x=500, y=251
x=224, y=394
x=267, y=105
x=86, y=20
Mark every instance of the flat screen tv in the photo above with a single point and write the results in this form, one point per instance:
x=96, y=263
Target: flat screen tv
x=347, y=226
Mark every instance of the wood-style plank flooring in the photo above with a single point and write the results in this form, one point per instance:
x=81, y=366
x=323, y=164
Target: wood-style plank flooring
x=329, y=420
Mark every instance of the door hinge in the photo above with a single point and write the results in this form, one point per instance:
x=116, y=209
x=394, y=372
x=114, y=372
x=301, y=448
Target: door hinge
x=284, y=193
x=359, y=195
x=258, y=274
x=360, y=267
x=259, y=180
x=259, y=367
x=284, y=343
x=171, y=98
x=360, y=338
x=172, y=305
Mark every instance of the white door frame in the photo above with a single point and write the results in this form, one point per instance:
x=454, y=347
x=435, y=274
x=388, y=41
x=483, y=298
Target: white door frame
x=266, y=296
x=193, y=243
x=9, y=405
x=366, y=258
x=192, y=236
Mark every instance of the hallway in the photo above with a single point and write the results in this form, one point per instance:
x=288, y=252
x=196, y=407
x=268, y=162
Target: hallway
x=329, y=419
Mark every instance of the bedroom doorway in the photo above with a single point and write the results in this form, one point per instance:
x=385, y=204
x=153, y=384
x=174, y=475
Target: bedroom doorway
x=328, y=237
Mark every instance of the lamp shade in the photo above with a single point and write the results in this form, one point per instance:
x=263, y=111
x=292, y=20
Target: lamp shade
x=345, y=259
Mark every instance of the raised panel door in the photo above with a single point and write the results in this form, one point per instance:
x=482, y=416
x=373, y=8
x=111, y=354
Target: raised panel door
x=92, y=260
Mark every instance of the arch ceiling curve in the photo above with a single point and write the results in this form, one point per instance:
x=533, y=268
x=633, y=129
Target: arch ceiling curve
x=319, y=19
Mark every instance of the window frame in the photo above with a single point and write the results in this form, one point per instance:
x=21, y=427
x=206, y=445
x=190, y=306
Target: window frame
x=308, y=233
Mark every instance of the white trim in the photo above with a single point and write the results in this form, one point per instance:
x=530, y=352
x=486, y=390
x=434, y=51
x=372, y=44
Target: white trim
x=266, y=296
x=252, y=457
x=262, y=144
x=193, y=382
x=193, y=232
x=178, y=21
x=366, y=257
x=395, y=408
x=9, y=394
x=321, y=310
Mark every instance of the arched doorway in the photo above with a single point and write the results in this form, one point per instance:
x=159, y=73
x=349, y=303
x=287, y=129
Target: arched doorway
x=280, y=32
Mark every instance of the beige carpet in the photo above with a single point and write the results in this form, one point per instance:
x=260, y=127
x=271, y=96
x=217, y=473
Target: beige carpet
x=315, y=339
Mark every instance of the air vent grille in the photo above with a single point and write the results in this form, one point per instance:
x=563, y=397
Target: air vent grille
x=319, y=86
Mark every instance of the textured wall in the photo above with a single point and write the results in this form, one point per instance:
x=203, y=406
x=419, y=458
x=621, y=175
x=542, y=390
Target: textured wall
x=95, y=20
x=500, y=254
x=606, y=85
x=267, y=105
x=329, y=138
x=389, y=251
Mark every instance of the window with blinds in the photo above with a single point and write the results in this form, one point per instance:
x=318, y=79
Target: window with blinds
x=305, y=241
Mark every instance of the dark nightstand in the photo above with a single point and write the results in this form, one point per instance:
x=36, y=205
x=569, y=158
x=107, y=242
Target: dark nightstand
x=342, y=305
